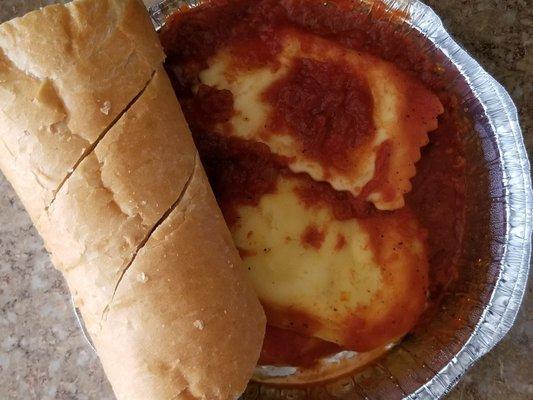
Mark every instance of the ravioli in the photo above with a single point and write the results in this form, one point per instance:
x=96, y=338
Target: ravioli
x=360, y=283
x=341, y=116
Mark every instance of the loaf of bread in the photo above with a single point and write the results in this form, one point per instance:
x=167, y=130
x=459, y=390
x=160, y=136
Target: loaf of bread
x=94, y=143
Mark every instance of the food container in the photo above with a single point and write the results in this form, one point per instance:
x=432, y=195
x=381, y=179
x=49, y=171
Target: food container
x=495, y=258
x=482, y=306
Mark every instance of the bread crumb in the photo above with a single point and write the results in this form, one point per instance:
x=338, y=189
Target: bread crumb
x=142, y=277
x=106, y=107
x=198, y=324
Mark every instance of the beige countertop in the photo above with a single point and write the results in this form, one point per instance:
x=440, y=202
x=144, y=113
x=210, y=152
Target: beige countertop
x=43, y=355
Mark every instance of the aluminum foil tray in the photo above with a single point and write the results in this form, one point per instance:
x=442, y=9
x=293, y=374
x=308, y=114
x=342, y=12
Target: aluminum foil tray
x=496, y=251
x=495, y=259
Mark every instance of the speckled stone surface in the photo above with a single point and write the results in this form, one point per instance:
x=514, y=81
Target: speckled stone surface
x=499, y=34
x=43, y=354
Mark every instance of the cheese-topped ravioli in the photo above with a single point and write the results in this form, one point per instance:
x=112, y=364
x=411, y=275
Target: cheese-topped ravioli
x=341, y=116
x=360, y=283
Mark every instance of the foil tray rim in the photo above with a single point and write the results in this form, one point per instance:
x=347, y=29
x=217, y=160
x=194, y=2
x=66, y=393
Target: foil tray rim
x=502, y=115
x=494, y=323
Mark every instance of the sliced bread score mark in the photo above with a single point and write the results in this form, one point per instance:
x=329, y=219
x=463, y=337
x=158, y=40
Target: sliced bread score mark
x=92, y=147
x=149, y=234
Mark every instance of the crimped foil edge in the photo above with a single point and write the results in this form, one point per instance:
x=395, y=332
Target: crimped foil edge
x=502, y=115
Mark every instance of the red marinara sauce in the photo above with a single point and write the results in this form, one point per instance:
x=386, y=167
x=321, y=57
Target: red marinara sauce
x=312, y=237
x=242, y=172
x=284, y=347
x=321, y=103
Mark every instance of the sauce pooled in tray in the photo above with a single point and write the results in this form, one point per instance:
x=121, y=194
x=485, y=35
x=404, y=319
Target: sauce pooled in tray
x=334, y=150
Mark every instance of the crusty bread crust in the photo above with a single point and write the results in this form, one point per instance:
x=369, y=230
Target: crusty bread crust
x=67, y=73
x=116, y=195
x=96, y=146
x=213, y=339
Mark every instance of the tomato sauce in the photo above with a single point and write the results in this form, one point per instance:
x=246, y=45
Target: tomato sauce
x=242, y=172
x=333, y=100
x=341, y=242
x=406, y=309
x=381, y=174
x=279, y=348
x=313, y=237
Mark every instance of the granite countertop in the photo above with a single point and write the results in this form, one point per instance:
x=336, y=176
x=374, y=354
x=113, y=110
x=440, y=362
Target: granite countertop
x=43, y=354
x=499, y=34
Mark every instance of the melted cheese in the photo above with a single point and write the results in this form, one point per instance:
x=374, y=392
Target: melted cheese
x=403, y=113
x=360, y=284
